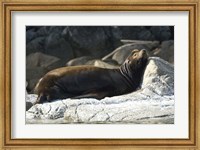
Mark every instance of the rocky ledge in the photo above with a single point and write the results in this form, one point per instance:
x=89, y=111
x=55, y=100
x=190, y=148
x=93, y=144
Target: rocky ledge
x=153, y=103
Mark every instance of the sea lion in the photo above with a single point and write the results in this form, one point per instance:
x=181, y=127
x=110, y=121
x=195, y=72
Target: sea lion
x=91, y=81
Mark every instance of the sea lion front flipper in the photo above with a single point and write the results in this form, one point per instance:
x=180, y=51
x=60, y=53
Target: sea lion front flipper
x=40, y=99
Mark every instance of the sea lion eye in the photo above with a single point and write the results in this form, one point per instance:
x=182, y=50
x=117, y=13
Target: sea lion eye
x=135, y=54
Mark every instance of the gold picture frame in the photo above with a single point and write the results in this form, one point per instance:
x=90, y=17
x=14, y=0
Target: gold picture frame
x=192, y=143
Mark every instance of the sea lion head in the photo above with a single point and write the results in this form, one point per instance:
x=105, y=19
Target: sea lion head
x=137, y=60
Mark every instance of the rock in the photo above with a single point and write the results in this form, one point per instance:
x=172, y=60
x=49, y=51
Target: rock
x=145, y=35
x=40, y=60
x=32, y=83
x=35, y=72
x=114, y=36
x=30, y=100
x=166, y=51
x=35, y=45
x=65, y=33
x=131, y=32
x=161, y=33
x=26, y=88
x=33, y=75
x=28, y=105
x=57, y=46
x=90, y=40
x=159, y=77
x=43, y=31
x=56, y=29
x=48, y=40
x=79, y=61
x=57, y=64
x=152, y=104
x=38, y=64
x=30, y=35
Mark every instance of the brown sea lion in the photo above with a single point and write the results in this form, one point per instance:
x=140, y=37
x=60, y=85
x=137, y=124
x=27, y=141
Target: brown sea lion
x=91, y=81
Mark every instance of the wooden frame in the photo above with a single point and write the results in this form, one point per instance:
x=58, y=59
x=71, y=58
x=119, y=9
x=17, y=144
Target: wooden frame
x=7, y=6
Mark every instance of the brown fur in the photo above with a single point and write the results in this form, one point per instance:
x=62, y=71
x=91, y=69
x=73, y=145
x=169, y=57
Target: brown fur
x=91, y=81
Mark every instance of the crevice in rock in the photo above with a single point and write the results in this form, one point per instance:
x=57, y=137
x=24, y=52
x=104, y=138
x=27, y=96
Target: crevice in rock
x=160, y=116
x=49, y=109
x=76, y=113
x=95, y=114
x=64, y=104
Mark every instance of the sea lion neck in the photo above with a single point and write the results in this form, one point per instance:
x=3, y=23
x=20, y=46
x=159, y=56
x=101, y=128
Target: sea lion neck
x=129, y=75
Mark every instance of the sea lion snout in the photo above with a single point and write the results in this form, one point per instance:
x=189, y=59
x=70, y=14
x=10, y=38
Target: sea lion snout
x=141, y=53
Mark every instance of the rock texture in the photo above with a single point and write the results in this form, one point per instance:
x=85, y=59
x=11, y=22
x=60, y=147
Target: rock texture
x=165, y=51
x=152, y=104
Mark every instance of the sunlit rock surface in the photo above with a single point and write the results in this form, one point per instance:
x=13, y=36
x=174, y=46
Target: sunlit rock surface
x=152, y=104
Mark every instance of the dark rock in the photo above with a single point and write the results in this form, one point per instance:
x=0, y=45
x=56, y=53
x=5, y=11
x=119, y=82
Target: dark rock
x=38, y=64
x=35, y=72
x=114, y=36
x=91, y=40
x=33, y=75
x=43, y=31
x=31, y=84
x=46, y=30
x=88, y=40
x=28, y=105
x=36, y=45
x=30, y=35
x=65, y=33
x=131, y=32
x=161, y=33
x=34, y=28
x=57, y=64
x=57, y=46
x=145, y=35
x=56, y=29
